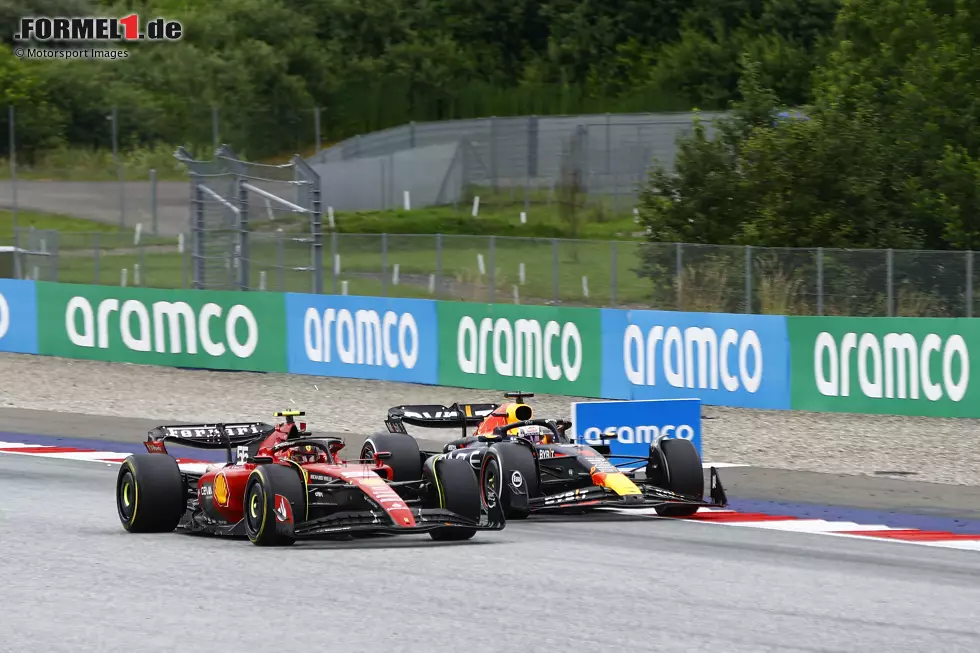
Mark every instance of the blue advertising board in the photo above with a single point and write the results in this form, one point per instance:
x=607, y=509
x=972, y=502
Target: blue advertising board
x=636, y=424
x=720, y=358
x=362, y=337
x=18, y=316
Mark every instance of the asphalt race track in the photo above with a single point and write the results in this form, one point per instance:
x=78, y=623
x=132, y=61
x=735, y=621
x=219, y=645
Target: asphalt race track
x=71, y=579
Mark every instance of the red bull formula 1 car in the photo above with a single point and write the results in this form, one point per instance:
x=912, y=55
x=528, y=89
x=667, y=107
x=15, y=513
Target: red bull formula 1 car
x=532, y=466
x=288, y=484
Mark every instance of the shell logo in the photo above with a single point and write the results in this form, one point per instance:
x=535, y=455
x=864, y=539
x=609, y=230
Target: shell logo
x=221, y=490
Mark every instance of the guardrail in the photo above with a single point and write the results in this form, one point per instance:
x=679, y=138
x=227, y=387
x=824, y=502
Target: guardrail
x=908, y=366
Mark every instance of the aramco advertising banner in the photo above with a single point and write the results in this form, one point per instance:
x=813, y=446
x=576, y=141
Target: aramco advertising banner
x=895, y=366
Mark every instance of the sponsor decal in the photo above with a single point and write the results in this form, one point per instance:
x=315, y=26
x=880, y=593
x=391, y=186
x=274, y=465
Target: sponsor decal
x=549, y=349
x=206, y=432
x=206, y=490
x=362, y=337
x=630, y=427
x=736, y=360
x=516, y=479
x=320, y=478
x=283, y=509
x=221, y=493
x=544, y=454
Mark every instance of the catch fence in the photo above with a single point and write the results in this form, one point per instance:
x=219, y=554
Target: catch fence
x=624, y=274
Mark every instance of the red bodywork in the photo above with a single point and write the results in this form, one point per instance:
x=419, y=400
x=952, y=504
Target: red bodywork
x=226, y=484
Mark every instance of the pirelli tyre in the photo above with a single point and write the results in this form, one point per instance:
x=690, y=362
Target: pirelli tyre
x=405, y=460
x=676, y=466
x=511, y=471
x=150, y=494
x=458, y=491
x=275, y=501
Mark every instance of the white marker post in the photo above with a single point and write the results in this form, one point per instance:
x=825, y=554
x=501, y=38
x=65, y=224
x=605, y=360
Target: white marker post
x=476, y=206
x=123, y=274
x=268, y=209
x=523, y=217
x=333, y=225
x=180, y=243
x=407, y=201
x=520, y=273
x=336, y=264
x=479, y=264
x=262, y=280
x=137, y=232
x=343, y=287
x=636, y=216
x=517, y=299
x=136, y=274
x=394, y=275
x=585, y=286
x=432, y=284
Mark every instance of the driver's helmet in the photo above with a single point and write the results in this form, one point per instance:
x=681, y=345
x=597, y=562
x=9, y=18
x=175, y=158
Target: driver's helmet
x=535, y=433
x=304, y=454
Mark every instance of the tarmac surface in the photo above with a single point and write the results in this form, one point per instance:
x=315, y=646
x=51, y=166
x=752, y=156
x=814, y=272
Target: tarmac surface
x=105, y=201
x=74, y=580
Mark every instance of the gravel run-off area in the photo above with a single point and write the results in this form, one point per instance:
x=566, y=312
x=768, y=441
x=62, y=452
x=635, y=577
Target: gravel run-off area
x=937, y=450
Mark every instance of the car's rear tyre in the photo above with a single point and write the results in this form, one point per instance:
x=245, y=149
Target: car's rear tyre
x=150, y=494
x=684, y=475
x=405, y=460
x=262, y=526
x=504, y=460
x=459, y=492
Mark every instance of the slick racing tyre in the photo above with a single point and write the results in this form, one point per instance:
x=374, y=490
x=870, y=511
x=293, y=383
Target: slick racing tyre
x=405, y=460
x=275, y=501
x=150, y=495
x=459, y=492
x=680, y=471
x=511, y=472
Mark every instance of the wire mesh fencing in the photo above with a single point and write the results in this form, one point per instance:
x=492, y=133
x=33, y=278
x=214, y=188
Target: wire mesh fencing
x=281, y=255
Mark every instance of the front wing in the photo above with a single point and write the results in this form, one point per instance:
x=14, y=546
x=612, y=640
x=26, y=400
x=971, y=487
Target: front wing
x=374, y=522
x=652, y=497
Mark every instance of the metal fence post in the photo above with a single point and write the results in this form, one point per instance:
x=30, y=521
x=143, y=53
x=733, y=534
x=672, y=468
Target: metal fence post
x=333, y=261
x=97, y=252
x=119, y=171
x=438, y=284
x=214, y=126
x=153, y=200
x=969, y=283
x=889, y=275
x=554, y=267
x=679, y=276
x=13, y=165
x=820, y=281
x=316, y=128
x=493, y=152
x=608, y=142
x=612, y=273
x=748, y=278
x=384, y=264
x=197, y=255
x=532, y=146
x=243, y=254
x=280, y=261
x=493, y=284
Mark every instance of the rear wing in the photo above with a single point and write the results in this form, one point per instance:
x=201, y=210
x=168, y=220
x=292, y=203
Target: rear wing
x=437, y=417
x=207, y=436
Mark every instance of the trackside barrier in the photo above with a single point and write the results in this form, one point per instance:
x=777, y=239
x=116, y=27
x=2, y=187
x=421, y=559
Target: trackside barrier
x=906, y=366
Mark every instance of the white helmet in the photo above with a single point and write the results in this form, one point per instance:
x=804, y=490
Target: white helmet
x=534, y=432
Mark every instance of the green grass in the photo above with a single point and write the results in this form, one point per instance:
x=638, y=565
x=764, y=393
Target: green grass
x=80, y=164
x=62, y=223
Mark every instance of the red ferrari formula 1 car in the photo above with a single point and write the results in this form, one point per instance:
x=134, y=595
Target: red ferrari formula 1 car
x=287, y=484
x=532, y=466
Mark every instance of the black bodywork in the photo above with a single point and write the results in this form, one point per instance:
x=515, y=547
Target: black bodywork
x=563, y=470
